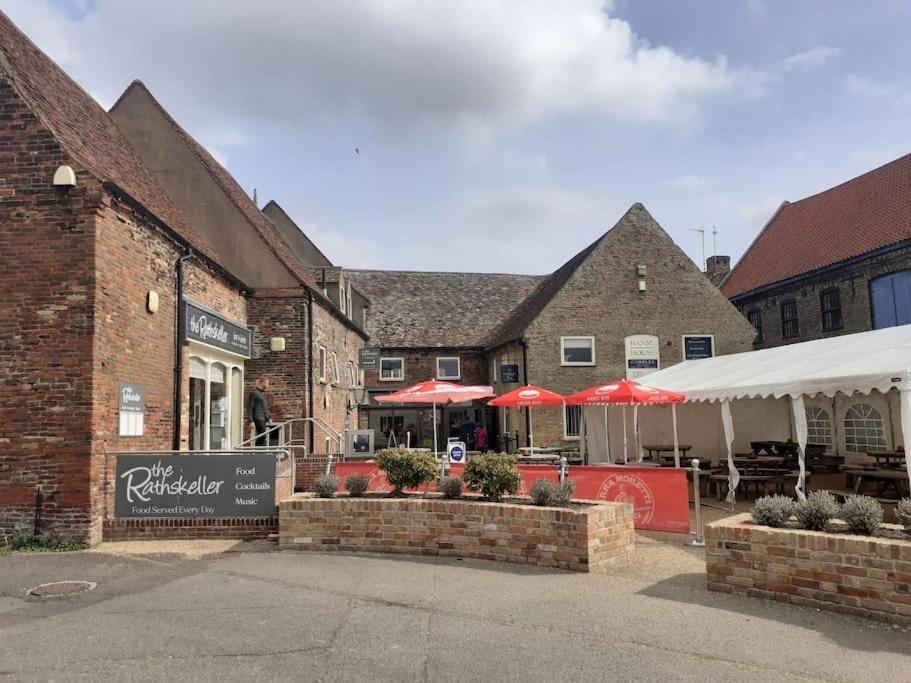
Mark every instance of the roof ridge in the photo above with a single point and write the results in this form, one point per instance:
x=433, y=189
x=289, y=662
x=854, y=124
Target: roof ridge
x=293, y=222
x=437, y=272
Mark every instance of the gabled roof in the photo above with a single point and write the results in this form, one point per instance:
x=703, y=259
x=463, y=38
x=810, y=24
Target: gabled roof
x=86, y=131
x=861, y=215
x=297, y=239
x=445, y=310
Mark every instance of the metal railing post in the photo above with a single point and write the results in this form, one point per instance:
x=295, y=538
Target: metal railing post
x=328, y=463
x=562, y=468
x=697, y=540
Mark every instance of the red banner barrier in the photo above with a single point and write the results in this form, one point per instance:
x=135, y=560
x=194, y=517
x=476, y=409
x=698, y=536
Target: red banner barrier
x=658, y=494
x=379, y=484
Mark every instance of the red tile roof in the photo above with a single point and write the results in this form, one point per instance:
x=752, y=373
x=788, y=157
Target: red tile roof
x=851, y=219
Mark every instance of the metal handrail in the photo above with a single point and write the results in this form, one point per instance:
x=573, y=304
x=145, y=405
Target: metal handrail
x=338, y=438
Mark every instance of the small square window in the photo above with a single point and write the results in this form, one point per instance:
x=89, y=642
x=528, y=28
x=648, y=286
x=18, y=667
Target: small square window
x=392, y=369
x=448, y=368
x=577, y=350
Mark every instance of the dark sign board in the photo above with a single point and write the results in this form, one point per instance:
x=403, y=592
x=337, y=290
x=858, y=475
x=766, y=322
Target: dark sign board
x=368, y=359
x=642, y=363
x=131, y=406
x=509, y=374
x=210, y=328
x=195, y=485
x=697, y=346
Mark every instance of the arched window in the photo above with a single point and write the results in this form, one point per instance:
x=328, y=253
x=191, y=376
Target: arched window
x=864, y=429
x=819, y=426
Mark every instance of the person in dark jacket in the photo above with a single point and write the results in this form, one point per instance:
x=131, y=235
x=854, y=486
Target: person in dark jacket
x=259, y=409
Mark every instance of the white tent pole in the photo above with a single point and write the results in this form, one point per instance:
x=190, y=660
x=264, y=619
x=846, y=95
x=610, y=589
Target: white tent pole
x=676, y=443
x=905, y=399
x=610, y=458
x=800, y=428
x=637, y=434
x=733, y=475
x=625, y=457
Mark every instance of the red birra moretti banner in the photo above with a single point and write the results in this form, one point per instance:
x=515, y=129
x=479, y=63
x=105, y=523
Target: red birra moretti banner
x=658, y=494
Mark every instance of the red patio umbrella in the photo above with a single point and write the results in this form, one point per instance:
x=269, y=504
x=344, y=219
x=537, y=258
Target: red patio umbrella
x=629, y=392
x=436, y=393
x=529, y=397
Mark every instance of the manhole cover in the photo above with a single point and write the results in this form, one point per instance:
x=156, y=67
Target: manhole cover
x=59, y=589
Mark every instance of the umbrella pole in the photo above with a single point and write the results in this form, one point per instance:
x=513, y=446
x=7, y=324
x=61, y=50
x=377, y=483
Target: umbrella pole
x=434, y=429
x=531, y=434
x=625, y=456
x=676, y=445
x=610, y=458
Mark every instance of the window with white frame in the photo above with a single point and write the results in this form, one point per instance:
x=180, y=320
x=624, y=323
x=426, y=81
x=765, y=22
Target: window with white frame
x=392, y=369
x=819, y=426
x=322, y=364
x=333, y=368
x=349, y=299
x=448, y=367
x=864, y=429
x=352, y=374
x=572, y=421
x=577, y=350
x=216, y=400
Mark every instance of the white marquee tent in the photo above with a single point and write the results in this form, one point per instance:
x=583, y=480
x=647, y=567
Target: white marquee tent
x=763, y=383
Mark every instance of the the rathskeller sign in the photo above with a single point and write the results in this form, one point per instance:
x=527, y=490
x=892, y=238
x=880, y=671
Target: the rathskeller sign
x=210, y=328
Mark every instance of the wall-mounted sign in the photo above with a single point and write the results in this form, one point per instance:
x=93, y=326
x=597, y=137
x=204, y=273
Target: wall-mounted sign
x=642, y=355
x=697, y=346
x=195, y=485
x=210, y=328
x=131, y=408
x=360, y=442
x=509, y=374
x=368, y=359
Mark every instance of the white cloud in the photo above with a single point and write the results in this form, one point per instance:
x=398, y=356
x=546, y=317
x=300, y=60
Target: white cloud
x=398, y=62
x=810, y=59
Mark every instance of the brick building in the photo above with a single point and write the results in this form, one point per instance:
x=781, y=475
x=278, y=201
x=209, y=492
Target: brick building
x=133, y=265
x=629, y=303
x=834, y=263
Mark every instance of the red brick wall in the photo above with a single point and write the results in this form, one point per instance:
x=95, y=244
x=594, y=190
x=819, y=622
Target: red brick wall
x=47, y=275
x=421, y=366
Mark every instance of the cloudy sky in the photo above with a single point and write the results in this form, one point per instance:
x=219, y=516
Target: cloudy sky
x=499, y=135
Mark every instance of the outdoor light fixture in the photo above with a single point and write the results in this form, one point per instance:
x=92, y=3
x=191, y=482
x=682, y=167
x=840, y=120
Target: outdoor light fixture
x=64, y=176
x=357, y=396
x=277, y=343
x=641, y=285
x=152, y=301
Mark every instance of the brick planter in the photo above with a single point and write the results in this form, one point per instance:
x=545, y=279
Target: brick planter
x=581, y=538
x=859, y=575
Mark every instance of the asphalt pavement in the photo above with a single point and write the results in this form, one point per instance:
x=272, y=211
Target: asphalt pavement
x=208, y=612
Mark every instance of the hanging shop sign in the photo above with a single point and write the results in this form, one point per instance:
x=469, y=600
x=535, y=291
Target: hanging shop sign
x=131, y=408
x=642, y=355
x=509, y=374
x=696, y=346
x=368, y=359
x=209, y=328
x=195, y=485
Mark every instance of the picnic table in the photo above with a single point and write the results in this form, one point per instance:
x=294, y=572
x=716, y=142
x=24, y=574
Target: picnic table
x=654, y=451
x=882, y=479
x=526, y=450
x=785, y=448
x=887, y=459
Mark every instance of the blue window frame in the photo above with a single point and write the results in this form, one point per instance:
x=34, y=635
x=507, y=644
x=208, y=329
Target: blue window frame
x=891, y=296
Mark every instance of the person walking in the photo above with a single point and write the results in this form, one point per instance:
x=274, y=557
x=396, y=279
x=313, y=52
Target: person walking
x=259, y=409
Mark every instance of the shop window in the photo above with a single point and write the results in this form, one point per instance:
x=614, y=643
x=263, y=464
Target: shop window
x=237, y=405
x=333, y=368
x=891, y=297
x=789, y=326
x=819, y=426
x=577, y=350
x=218, y=407
x=197, y=404
x=755, y=319
x=392, y=369
x=864, y=429
x=216, y=399
x=572, y=421
x=448, y=368
x=322, y=364
x=830, y=306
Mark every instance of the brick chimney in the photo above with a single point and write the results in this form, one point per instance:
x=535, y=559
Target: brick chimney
x=717, y=268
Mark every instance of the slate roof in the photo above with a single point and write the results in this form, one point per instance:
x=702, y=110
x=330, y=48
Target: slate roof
x=859, y=216
x=444, y=310
x=86, y=131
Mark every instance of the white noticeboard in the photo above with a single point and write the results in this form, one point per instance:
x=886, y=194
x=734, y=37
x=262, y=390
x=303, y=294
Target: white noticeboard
x=642, y=355
x=456, y=451
x=131, y=409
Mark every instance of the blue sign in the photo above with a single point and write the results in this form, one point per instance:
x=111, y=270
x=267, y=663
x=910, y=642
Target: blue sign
x=457, y=452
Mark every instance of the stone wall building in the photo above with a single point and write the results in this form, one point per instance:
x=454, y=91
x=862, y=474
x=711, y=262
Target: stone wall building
x=834, y=263
x=629, y=303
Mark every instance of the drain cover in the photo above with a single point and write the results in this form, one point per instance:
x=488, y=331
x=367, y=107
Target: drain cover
x=59, y=589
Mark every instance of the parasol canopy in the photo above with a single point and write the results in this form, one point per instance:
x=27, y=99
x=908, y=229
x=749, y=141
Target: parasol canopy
x=624, y=392
x=528, y=397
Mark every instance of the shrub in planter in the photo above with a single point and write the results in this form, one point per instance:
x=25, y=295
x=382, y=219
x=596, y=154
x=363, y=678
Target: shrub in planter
x=406, y=469
x=450, y=487
x=816, y=511
x=356, y=485
x=903, y=512
x=862, y=514
x=542, y=492
x=493, y=475
x=325, y=485
x=774, y=511
x=563, y=495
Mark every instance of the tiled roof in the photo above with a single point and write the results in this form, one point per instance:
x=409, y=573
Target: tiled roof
x=86, y=131
x=447, y=310
x=851, y=219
